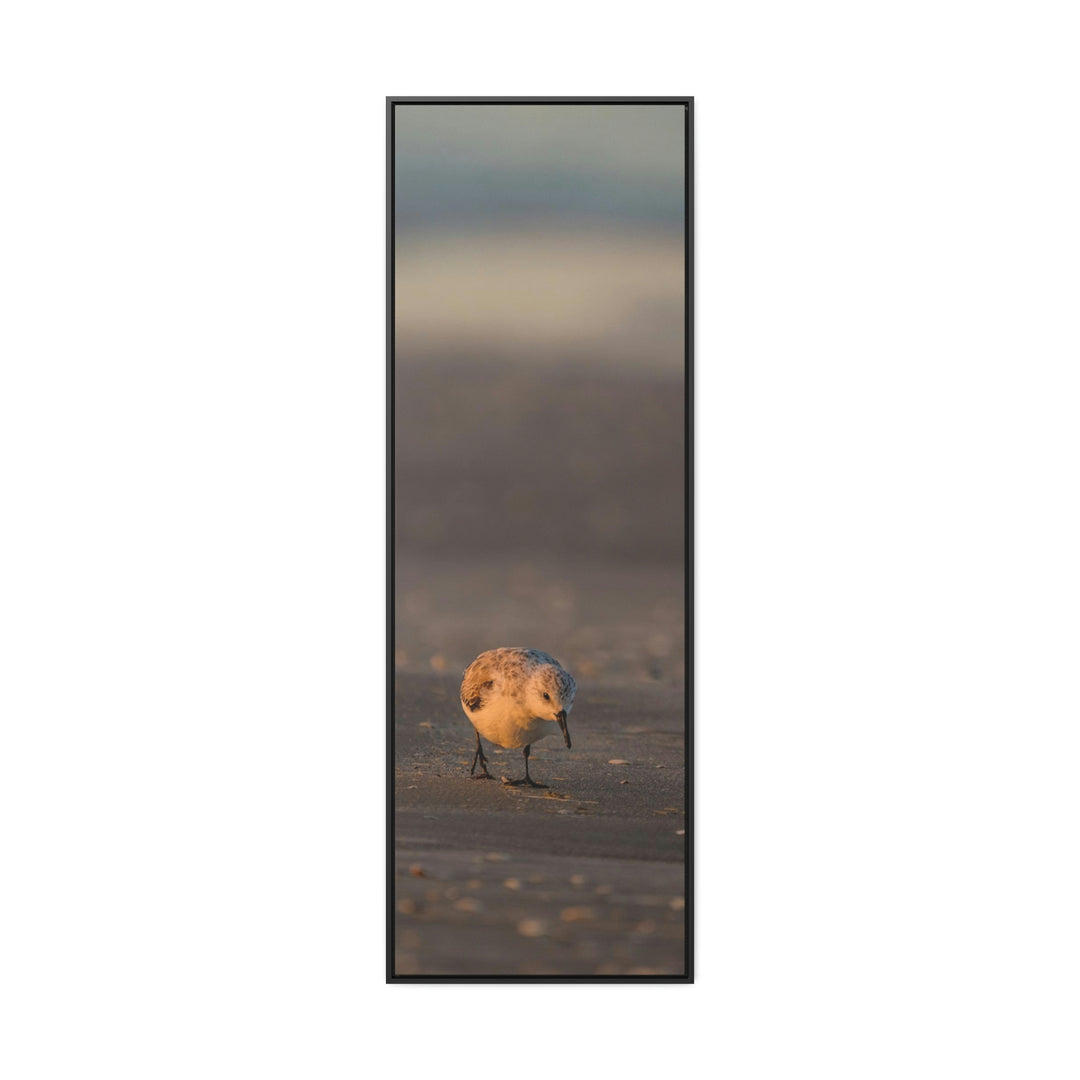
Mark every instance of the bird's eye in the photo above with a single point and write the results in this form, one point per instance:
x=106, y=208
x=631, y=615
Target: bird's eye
x=547, y=697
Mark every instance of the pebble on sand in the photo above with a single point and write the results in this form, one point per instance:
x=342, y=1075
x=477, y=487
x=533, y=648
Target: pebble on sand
x=532, y=928
x=618, y=761
x=677, y=903
x=512, y=883
x=417, y=870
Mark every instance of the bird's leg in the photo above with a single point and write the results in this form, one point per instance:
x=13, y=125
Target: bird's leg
x=528, y=779
x=479, y=756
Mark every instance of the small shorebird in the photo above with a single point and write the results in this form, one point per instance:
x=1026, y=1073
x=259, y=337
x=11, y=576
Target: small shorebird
x=513, y=697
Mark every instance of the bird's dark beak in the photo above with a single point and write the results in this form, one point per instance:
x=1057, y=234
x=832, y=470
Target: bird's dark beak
x=560, y=719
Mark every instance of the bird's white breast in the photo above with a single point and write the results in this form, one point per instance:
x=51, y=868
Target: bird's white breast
x=509, y=723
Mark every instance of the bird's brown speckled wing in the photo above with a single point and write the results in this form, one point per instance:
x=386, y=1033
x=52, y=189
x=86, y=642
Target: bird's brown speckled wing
x=475, y=685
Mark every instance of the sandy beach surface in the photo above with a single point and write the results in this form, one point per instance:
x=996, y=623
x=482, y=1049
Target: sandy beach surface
x=584, y=877
x=539, y=503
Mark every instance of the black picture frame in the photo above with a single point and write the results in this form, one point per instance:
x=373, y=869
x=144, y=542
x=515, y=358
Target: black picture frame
x=392, y=103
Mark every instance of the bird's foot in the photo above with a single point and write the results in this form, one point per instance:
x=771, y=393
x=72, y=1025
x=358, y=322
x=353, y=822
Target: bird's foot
x=525, y=780
x=485, y=775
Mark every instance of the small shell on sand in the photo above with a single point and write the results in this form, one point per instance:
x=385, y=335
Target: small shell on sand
x=577, y=914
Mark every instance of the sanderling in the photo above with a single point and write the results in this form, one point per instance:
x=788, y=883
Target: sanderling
x=513, y=697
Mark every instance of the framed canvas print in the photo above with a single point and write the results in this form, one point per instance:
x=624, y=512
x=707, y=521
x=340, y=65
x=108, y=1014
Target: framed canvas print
x=540, y=562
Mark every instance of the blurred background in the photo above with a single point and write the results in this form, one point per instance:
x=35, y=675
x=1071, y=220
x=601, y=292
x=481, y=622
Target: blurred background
x=539, y=386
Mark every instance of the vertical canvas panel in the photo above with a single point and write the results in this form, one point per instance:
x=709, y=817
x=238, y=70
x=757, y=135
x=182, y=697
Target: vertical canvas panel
x=540, y=404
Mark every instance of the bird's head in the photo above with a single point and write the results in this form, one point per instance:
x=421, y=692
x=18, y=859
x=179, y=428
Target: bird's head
x=551, y=695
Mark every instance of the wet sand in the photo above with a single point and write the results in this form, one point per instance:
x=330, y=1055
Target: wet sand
x=616, y=621
x=585, y=877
